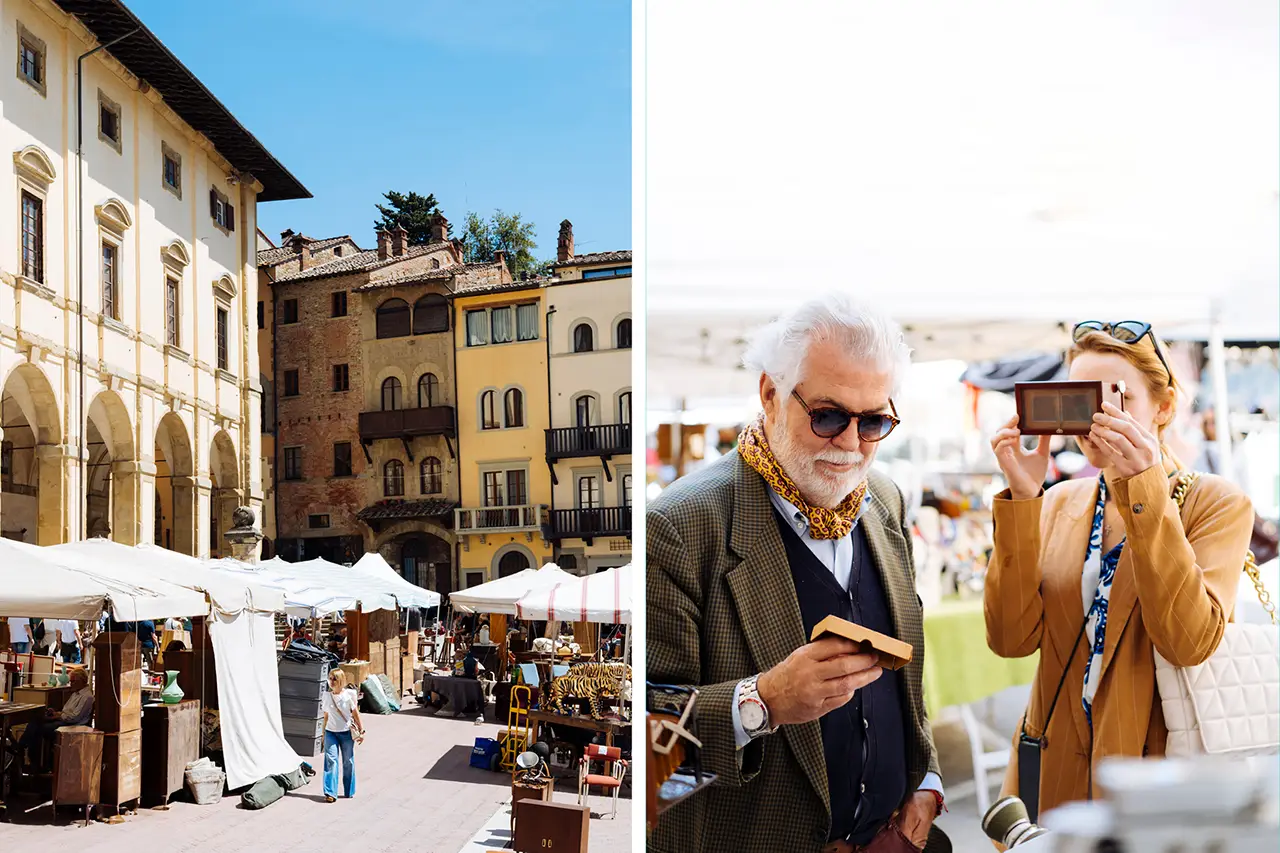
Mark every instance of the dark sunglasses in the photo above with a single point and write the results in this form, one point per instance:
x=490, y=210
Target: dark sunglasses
x=830, y=422
x=1125, y=331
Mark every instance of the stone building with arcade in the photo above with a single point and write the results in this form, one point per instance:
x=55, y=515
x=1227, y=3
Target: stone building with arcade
x=130, y=400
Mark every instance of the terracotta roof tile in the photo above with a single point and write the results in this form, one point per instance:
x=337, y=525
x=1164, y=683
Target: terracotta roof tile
x=282, y=254
x=596, y=258
x=392, y=509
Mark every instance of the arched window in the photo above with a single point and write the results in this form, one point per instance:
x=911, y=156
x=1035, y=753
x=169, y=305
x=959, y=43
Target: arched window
x=584, y=411
x=393, y=479
x=428, y=390
x=393, y=319
x=431, y=314
x=391, y=399
x=488, y=410
x=512, y=563
x=582, y=338
x=435, y=263
x=624, y=334
x=513, y=407
x=624, y=407
x=430, y=474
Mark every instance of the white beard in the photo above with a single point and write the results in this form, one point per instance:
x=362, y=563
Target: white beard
x=819, y=488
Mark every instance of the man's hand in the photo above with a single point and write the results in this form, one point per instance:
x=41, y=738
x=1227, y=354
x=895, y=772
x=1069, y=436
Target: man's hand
x=917, y=815
x=816, y=678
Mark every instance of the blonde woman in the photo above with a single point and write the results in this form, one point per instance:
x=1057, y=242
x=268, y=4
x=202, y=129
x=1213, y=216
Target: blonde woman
x=1098, y=574
x=343, y=729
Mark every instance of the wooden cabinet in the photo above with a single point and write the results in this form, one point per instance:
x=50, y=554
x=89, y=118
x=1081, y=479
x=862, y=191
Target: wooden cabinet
x=121, y=768
x=50, y=697
x=170, y=740
x=543, y=826
x=117, y=688
x=77, y=766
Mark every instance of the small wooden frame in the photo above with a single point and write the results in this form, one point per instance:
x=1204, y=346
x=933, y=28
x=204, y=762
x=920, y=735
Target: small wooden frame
x=1057, y=408
x=892, y=653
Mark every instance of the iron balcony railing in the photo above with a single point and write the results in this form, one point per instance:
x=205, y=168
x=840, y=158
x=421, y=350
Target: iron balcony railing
x=527, y=518
x=602, y=440
x=589, y=523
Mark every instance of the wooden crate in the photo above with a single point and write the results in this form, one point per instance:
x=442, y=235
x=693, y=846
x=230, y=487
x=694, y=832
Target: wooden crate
x=121, y=768
x=117, y=689
x=77, y=766
x=170, y=740
x=357, y=672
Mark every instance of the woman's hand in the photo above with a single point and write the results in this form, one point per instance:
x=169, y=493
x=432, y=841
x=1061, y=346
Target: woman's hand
x=1024, y=470
x=1126, y=445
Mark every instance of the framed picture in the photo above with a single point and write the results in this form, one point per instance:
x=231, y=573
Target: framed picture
x=1057, y=408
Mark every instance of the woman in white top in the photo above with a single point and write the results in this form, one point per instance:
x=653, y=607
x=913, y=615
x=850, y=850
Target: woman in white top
x=342, y=731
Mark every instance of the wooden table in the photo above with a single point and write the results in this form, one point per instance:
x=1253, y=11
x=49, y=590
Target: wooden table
x=11, y=714
x=609, y=727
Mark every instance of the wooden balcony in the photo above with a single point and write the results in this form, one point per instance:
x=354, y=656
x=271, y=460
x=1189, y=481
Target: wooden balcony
x=406, y=423
x=590, y=523
x=528, y=518
x=604, y=440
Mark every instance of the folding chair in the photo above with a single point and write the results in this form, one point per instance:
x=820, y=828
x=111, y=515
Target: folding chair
x=612, y=778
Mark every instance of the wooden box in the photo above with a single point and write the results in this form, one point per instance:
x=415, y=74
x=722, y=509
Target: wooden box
x=542, y=826
x=357, y=672
x=50, y=697
x=892, y=652
x=121, y=768
x=77, y=766
x=170, y=740
x=117, y=689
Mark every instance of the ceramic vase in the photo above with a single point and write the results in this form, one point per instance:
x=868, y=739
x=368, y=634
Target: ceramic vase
x=172, y=693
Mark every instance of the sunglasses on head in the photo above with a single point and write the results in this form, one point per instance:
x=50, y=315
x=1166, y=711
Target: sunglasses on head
x=1125, y=331
x=830, y=421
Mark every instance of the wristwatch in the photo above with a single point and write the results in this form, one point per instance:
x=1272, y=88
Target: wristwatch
x=752, y=711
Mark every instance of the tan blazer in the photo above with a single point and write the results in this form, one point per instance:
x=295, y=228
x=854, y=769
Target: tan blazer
x=1174, y=590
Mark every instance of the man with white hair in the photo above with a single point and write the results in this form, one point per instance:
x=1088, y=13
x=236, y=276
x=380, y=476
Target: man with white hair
x=815, y=747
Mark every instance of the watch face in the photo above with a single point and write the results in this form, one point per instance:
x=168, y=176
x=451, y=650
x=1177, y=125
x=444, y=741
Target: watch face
x=752, y=715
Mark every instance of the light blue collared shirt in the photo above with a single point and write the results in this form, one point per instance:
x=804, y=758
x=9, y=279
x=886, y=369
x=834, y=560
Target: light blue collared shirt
x=837, y=556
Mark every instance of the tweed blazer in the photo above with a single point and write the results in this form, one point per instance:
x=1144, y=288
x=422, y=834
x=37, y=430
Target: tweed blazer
x=722, y=606
x=1174, y=591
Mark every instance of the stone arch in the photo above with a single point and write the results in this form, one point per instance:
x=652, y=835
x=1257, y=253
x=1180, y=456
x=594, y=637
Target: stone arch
x=498, y=565
x=225, y=497
x=35, y=461
x=175, y=486
x=33, y=164
x=421, y=550
x=111, y=480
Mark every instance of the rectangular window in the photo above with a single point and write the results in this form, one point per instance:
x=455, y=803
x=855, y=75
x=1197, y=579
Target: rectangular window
x=588, y=493
x=317, y=521
x=171, y=314
x=493, y=488
x=172, y=169
x=109, y=281
x=262, y=315
x=342, y=459
x=477, y=328
x=221, y=209
x=341, y=377
x=516, y=493
x=290, y=312
x=31, y=59
x=291, y=383
x=626, y=490
x=32, y=237
x=504, y=331
x=223, y=331
x=339, y=303
x=474, y=579
x=616, y=272
x=108, y=121
x=527, y=322
x=293, y=463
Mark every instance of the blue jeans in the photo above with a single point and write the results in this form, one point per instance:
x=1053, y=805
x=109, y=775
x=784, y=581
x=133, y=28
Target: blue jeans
x=21, y=648
x=335, y=744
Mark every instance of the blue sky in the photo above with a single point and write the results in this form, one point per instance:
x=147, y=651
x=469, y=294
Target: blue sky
x=523, y=105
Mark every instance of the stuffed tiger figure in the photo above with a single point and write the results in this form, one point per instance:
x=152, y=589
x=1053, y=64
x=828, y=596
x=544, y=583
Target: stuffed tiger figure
x=590, y=681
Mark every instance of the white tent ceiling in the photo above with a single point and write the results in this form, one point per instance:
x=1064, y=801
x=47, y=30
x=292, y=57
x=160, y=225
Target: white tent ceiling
x=1007, y=165
x=501, y=595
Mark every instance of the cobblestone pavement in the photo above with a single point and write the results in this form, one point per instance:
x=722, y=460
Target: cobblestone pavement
x=415, y=791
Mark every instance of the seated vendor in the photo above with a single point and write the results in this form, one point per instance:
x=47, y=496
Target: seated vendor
x=78, y=711
x=470, y=665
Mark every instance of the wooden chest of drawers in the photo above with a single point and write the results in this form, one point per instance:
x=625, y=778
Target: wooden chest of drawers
x=121, y=768
x=170, y=740
x=77, y=766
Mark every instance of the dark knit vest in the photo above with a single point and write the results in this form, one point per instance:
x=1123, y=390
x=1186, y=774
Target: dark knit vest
x=865, y=741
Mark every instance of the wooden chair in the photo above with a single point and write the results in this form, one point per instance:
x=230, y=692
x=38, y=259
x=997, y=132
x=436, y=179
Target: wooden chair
x=611, y=779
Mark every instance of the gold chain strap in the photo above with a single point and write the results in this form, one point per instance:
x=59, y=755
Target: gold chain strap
x=1183, y=485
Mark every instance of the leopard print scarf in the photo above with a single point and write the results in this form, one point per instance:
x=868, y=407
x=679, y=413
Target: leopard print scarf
x=753, y=447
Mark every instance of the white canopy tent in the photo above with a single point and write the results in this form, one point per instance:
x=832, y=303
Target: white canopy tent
x=500, y=596
x=602, y=597
x=303, y=598
x=407, y=594
x=315, y=588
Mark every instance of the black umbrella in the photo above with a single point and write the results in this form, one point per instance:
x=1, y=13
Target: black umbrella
x=1003, y=374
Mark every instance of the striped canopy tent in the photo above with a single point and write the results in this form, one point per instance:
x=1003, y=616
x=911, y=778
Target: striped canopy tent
x=602, y=597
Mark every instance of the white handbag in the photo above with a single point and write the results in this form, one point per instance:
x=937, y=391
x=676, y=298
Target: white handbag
x=1230, y=704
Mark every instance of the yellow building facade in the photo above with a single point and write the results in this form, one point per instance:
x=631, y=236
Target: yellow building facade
x=500, y=367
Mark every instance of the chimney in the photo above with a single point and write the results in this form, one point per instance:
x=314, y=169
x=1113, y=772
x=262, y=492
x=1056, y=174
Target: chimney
x=399, y=241
x=298, y=245
x=500, y=257
x=439, y=229
x=564, y=249
x=384, y=244
x=285, y=235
